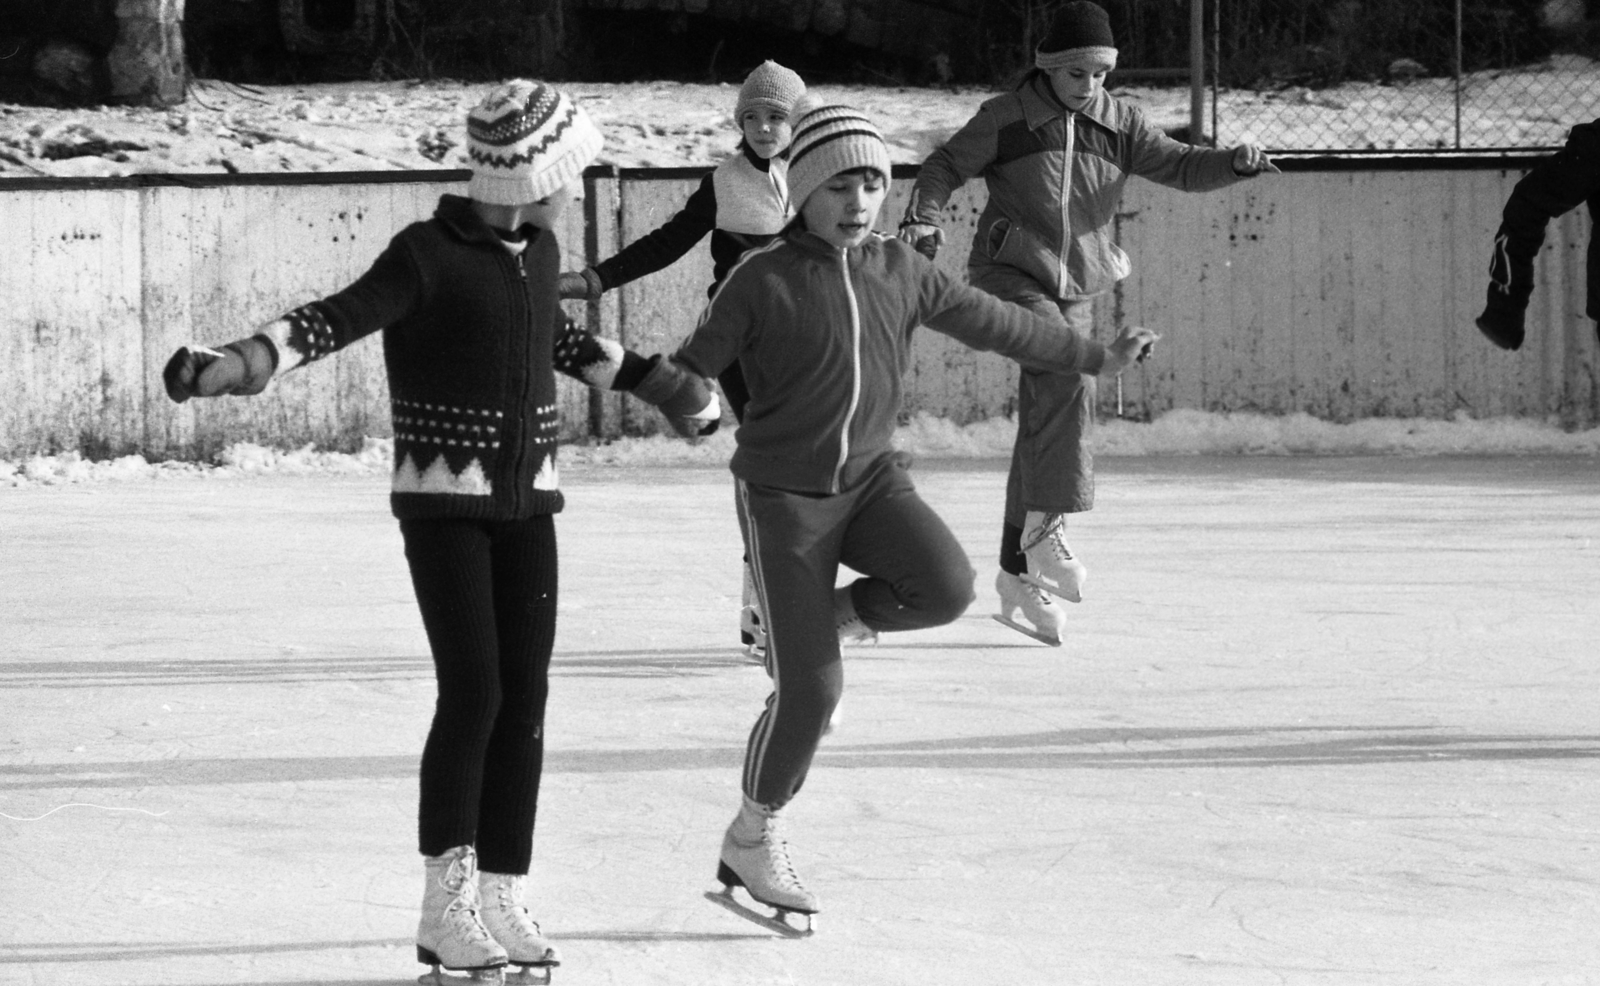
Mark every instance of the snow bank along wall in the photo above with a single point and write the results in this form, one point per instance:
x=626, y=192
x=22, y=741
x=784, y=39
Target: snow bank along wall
x=1343, y=288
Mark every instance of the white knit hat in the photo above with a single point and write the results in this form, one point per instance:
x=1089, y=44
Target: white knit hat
x=828, y=140
x=769, y=84
x=525, y=141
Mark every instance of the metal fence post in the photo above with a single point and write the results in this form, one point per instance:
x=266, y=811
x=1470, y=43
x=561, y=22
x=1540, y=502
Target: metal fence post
x=1197, y=69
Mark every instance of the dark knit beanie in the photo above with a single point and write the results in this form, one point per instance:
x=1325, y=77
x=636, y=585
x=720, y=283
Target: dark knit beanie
x=1081, y=29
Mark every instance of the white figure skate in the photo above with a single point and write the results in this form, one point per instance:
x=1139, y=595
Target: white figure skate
x=451, y=935
x=851, y=628
x=1020, y=601
x=1051, y=564
x=756, y=857
x=532, y=955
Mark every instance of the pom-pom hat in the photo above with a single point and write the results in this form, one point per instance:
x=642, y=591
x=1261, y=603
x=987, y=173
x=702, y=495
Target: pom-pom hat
x=828, y=140
x=769, y=84
x=525, y=141
x=1080, y=32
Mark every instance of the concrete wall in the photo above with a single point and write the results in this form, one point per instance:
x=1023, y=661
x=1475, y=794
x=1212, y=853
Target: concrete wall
x=1342, y=293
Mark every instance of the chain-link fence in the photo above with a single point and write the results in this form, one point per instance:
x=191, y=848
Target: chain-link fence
x=1402, y=74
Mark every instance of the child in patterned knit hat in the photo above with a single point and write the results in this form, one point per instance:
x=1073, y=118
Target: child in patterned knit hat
x=822, y=319
x=1054, y=154
x=473, y=331
x=743, y=203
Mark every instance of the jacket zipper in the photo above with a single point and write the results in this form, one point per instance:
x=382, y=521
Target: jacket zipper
x=855, y=371
x=1066, y=206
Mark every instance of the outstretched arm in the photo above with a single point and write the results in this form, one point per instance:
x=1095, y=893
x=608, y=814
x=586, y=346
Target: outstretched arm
x=689, y=403
x=658, y=249
x=949, y=167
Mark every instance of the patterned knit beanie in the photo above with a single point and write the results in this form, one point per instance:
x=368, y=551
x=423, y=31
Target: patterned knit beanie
x=770, y=84
x=1081, y=30
x=828, y=140
x=526, y=141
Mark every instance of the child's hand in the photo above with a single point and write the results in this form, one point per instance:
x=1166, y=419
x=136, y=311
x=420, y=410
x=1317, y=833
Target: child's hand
x=584, y=284
x=242, y=367
x=701, y=423
x=926, y=237
x=1250, y=160
x=1133, y=345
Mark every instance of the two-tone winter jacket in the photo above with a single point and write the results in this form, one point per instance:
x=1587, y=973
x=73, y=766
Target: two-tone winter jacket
x=1055, y=180
x=824, y=336
x=743, y=202
x=472, y=333
x=1557, y=185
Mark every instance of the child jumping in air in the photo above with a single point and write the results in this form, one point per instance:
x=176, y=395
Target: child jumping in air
x=822, y=319
x=742, y=203
x=1054, y=154
x=472, y=331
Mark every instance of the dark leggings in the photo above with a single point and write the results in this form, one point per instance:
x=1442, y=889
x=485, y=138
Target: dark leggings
x=487, y=591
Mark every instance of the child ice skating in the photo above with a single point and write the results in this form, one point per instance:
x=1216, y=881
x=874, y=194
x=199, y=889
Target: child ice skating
x=1554, y=187
x=472, y=332
x=822, y=320
x=1054, y=154
x=742, y=203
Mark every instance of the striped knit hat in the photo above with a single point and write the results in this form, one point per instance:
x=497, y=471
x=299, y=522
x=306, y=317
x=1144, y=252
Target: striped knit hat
x=1081, y=31
x=770, y=84
x=828, y=140
x=525, y=141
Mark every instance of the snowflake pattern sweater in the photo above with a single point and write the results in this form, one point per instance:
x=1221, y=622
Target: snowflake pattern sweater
x=472, y=334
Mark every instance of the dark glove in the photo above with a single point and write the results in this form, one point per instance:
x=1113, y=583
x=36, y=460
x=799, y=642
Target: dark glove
x=243, y=367
x=584, y=284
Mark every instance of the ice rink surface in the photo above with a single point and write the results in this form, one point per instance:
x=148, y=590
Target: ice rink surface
x=1318, y=721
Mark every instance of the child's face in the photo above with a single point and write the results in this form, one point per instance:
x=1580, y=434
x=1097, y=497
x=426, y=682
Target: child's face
x=766, y=130
x=1076, y=84
x=542, y=213
x=843, y=208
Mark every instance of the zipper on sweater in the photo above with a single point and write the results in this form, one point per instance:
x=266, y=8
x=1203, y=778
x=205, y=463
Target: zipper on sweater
x=520, y=308
x=855, y=371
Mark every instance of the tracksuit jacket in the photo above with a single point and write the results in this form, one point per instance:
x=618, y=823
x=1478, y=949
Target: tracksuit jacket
x=1055, y=180
x=1555, y=186
x=824, y=336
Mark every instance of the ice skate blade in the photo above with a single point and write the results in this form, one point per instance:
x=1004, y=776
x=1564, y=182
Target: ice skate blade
x=1026, y=630
x=772, y=922
x=1069, y=593
x=530, y=974
x=474, y=977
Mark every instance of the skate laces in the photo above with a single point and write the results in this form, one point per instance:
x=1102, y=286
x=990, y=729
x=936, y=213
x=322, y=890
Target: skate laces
x=778, y=852
x=460, y=881
x=1052, y=531
x=508, y=901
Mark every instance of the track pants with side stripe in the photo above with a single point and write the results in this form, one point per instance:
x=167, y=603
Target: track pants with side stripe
x=914, y=575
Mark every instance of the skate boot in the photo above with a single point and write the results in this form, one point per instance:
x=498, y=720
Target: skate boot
x=450, y=934
x=508, y=922
x=752, y=625
x=1051, y=565
x=851, y=629
x=756, y=857
x=1045, y=620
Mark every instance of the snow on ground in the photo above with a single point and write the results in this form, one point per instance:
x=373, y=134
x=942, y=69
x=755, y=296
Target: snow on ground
x=1181, y=432
x=362, y=126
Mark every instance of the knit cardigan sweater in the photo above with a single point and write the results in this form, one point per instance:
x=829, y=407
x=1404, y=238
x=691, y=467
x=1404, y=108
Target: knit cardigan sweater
x=472, y=335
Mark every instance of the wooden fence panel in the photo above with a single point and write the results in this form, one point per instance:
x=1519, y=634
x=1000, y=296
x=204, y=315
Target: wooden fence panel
x=1342, y=293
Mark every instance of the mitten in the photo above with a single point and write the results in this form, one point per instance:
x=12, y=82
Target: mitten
x=584, y=284
x=686, y=398
x=243, y=367
x=1502, y=320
